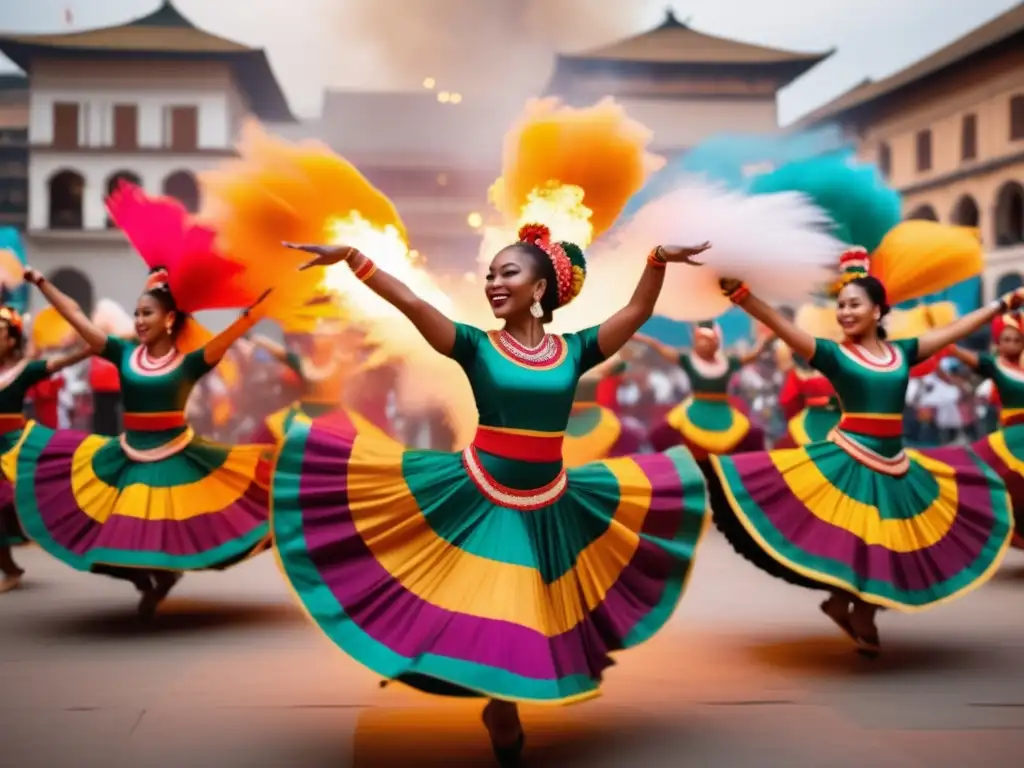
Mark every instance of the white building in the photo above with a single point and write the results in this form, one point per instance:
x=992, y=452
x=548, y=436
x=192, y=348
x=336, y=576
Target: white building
x=154, y=101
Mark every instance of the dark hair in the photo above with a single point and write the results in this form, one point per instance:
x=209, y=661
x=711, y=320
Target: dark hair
x=542, y=268
x=161, y=294
x=875, y=291
x=14, y=332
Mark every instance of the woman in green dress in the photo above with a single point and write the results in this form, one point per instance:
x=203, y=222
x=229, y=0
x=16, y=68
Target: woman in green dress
x=857, y=515
x=158, y=500
x=493, y=572
x=1003, y=450
x=17, y=375
x=706, y=422
x=595, y=430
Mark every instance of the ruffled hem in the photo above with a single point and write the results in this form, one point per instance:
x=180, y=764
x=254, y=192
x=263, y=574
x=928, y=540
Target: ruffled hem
x=817, y=518
x=596, y=433
x=84, y=501
x=1003, y=451
x=441, y=580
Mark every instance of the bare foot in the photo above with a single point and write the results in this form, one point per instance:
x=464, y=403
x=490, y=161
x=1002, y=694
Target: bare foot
x=10, y=583
x=151, y=598
x=862, y=620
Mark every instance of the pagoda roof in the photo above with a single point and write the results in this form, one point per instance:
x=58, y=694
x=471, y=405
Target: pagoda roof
x=674, y=42
x=1002, y=30
x=163, y=34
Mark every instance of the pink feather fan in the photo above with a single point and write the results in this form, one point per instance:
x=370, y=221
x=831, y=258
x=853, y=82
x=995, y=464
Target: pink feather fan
x=165, y=236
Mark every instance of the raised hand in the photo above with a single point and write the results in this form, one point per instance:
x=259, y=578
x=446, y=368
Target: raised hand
x=683, y=254
x=1012, y=301
x=326, y=255
x=729, y=284
x=34, y=276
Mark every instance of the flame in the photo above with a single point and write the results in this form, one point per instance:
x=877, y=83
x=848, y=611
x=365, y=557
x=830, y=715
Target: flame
x=561, y=208
x=390, y=253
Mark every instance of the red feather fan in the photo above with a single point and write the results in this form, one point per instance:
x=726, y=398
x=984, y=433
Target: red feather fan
x=165, y=236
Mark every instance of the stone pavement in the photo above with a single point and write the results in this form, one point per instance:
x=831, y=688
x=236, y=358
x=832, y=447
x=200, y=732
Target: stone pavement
x=748, y=674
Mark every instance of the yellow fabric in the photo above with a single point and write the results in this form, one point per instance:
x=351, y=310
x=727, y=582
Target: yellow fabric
x=798, y=428
x=596, y=444
x=864, y=521
x=707, y=440
x=402, y=540
x=917, y=258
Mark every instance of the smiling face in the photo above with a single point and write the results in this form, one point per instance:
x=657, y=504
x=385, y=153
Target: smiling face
x=1010, y=344
x=856, y=313
x=705, y=343
x=8, y=341
x=512, y=283
x=151, y=319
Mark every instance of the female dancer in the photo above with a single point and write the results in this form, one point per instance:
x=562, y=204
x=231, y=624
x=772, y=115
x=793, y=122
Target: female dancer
x=17, y=375
x=495, y=571
x=818, y=408
x=857, y=515
x=594, y=430
x=158, y=500
x=706, y=422
x=1004, y=449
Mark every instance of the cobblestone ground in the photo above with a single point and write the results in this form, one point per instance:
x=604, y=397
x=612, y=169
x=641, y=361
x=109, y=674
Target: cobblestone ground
x=748, y=674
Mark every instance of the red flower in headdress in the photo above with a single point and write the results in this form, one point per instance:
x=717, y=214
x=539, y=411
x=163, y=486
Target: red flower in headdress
x=167, y=238
x=540, y=236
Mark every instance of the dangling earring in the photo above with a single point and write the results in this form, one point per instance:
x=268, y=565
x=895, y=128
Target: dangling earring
x=536, y=310
x=168, y=327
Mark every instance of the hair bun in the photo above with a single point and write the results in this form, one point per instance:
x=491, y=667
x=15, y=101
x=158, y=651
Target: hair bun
x=579, y=266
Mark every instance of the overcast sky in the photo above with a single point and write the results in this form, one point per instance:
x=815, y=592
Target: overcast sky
x=472, y=44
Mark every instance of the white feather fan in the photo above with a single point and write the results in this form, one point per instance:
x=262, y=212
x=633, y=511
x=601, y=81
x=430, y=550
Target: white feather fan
x=111, y=318
x=779, y=244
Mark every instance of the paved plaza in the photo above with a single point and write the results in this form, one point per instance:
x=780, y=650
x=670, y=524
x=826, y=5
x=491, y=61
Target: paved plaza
x=748, y=674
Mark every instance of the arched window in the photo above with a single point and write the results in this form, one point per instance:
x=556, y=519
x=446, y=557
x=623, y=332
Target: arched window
x=1010, y=214
x=76, y=284
x=114, y=180
x=1010, y=281
x=182, y=186
x=965, y=212
x=925, y=212
x=66, y=191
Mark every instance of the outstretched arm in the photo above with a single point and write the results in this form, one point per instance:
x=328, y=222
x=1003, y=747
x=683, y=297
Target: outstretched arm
x=801, y=342
x=219, y=345
x=755, y=351
x=671, y=354
x=59, y=363
x=614, y=332
x=68, y=309
x=938, y=338
x=965, y=356
x=438, y=330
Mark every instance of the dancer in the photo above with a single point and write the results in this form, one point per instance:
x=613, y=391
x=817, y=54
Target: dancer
x=158, y=500
x=706, y=422
x=17, y=375
x=494, y=572
x=1004, y=449
x=595, y=430
x=857, y=515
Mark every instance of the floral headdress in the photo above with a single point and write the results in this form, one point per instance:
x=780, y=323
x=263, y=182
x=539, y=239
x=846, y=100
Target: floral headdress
x=567, y=258
x=853, y=264
x=13, y=319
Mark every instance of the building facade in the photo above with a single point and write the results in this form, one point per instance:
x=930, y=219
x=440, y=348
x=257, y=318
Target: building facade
x=154, y=101
x=14, y=151
x=948, y=132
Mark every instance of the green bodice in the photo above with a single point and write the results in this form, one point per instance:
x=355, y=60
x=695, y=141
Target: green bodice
x=163, y=391
x=512, y=393
x=1008, y=380
x=15, y=383
x=709, y=407
x=869, y=386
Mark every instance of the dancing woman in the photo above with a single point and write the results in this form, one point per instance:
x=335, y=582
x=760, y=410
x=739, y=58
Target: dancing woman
x=857, y=515
x=1004, y=449
x=706, y=422
x=158, y=500
x=594, y=430
x=17, y=375
x=495, y=572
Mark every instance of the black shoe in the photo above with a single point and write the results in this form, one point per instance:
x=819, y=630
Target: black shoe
x=510, y=756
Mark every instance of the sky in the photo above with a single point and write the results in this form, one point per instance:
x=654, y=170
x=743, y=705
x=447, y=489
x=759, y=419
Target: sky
x=483, y=45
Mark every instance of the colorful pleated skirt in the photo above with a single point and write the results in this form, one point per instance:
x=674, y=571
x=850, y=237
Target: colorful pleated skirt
x=707, y=426
x=927, y=529
x=1003, y=451
x=192, y=506
x=11, y=534
x=811, y=425
x=594, y=433
x=428, y=569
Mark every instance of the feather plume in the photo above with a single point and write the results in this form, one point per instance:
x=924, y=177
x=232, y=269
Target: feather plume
x=917, y=258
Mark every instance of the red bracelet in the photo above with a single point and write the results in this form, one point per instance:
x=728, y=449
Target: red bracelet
x=365, y=270
x=655, y=259
x=739, y=295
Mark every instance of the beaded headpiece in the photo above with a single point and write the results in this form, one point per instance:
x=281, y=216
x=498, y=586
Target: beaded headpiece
x=567, y=259
x=854, y=263
x=11, y=316
x=1007, y=320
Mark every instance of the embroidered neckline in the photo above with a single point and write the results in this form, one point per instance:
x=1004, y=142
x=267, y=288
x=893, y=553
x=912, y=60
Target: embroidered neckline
x=866, y=359
x=1011, y=370
x=144, y=365
x=547, y=354
x=714, y=369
